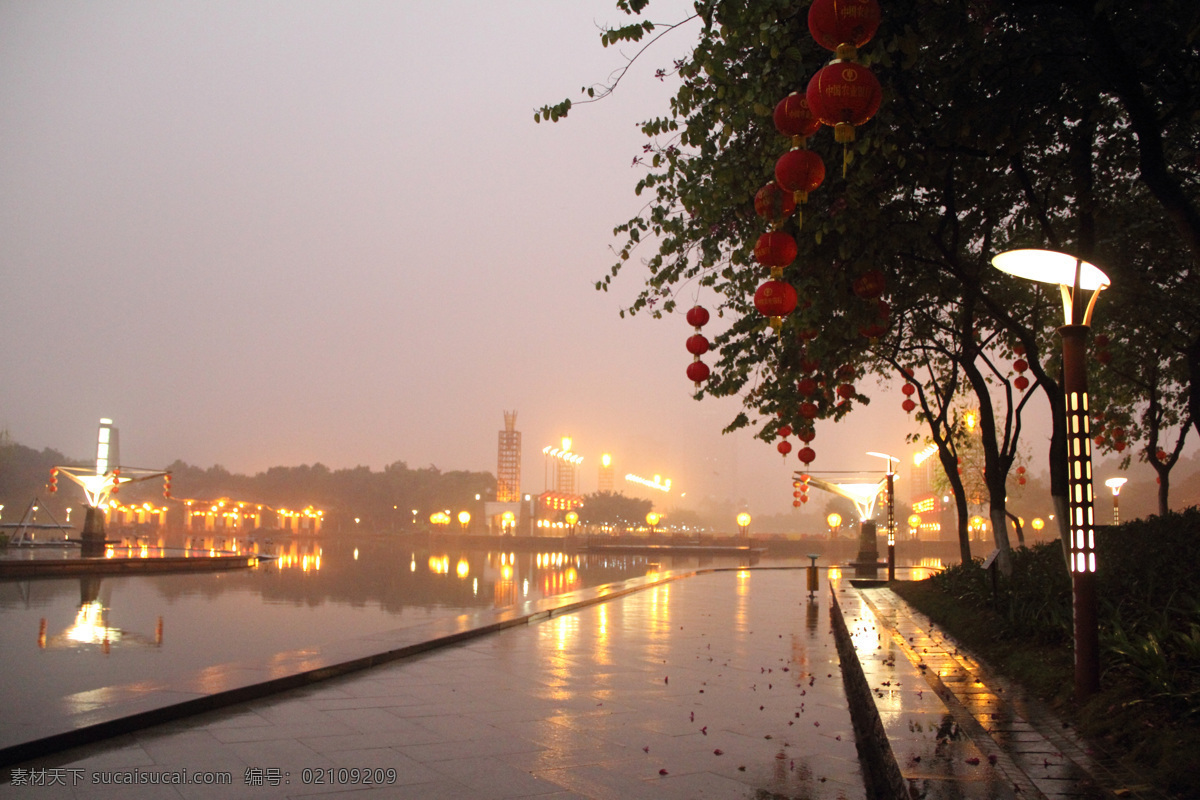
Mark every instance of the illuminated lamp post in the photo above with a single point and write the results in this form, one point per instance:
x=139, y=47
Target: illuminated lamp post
x=891, y=512
x=1038, y=523
x=464, y=519
x=572, y=520
x=652, y=519
x=1074, y=275
x=507, y=520
x=1115, y=484
x=834, y=521
x=914, y=525
x=743, y=521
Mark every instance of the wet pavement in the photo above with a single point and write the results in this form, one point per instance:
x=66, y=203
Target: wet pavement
x=719, y=685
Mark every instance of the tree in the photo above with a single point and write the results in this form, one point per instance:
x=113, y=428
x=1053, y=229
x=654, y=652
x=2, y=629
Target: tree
x=994, y=119
x=613, y=509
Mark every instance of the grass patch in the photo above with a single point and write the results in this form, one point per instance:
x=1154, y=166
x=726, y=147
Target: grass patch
x=1148, y=710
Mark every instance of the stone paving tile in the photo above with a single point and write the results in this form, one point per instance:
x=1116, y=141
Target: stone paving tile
x=723, y=685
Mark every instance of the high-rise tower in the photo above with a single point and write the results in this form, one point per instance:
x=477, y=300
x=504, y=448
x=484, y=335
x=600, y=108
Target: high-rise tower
x=508, y=467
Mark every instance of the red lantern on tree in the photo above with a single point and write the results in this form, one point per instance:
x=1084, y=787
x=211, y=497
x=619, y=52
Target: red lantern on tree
x=785, y=430
x=775, y=249
x=800, y=172
x=807, y=387
x=1021, y=383
x=697, y=316
x=870, y=284
x=908, y=405
x=806, y=454
x=806, y=435
x=908, y=389
x=845, y=391
x=697, y=372
x=773, y=203
x=53, y=480
x=697, y=344
x=793, y=118
x=843, y=24
x=776, y=300
x=1020, y=365
x=808, y=411
x=784, y=447
x=843, y=95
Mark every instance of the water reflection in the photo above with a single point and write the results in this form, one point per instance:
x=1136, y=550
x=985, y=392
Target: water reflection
x=90, y=627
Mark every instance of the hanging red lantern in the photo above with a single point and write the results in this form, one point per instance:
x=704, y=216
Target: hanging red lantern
x=793, y=118
x=773, y=203
x=1104, y=356
x=870, y=284
x=908, y=389
x=1161, y=455
x=785, y=430
x=784, y=447
x=697, y=345
x=806, y=386
x=838, y=24
x=1020, y=365
x=1118, y=446
x=167, y=485
x=775, y=299
x=806, y=454
x=806, y=435
x=1021, y=383
x=804, y=499
x=1101, y=340
x=808, y=411
x=53, y=480
x=1118, y=433
x=908, y=406
x=1099, y=440
x=697, y=371
x=845, y=391
x=843, y=95
x=775, y=249
x=1021, y=480
x=697, y=316
x=800, y=172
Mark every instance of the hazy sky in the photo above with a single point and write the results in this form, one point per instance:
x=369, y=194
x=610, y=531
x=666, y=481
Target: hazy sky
x=261, y=233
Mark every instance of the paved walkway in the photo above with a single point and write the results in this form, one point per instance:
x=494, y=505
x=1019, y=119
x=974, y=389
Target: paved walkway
x=720, y=685
x=951, y=720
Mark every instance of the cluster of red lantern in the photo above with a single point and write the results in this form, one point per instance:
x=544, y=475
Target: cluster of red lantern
x=784, y=447
x=1116, y=432
x=697, y=345
x=844, y=94
x=909, y=389
x=808, y=410
x=800, y=491
x=1020, y=382
x=53, y=485
x=775, y=250
x=1021, y=476
x=1103, y=355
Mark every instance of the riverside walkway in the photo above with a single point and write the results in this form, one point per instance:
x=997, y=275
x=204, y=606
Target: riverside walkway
x=719, y=685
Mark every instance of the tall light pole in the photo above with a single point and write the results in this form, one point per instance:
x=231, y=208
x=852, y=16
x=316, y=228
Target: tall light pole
x=1115, y=484
x=891, y=513
x=1074, y=275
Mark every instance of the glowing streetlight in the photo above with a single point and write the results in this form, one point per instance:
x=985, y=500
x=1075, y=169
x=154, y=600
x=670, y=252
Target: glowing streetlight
x=464, y=519
x=652, y=519
x=1073, y=276
x=743, y=521
x=507, y=521
x=914, y=524
x=834, y=521
x=572, y=520
x=891, y=514
x=1115, y=484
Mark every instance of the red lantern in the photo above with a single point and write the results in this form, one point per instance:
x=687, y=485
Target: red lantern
x=793, y=118
x=774, y=203
x=1104, y=356
x=1021, y=383
x=785, y=430
x=1101, y=340
x=808, y=411
x=845, y=391
x=806, y=454
x=799, y=171
x=1118, y=433
x=870, y=284
x=1161, y=455
x=1020, y=365
x=697, y=317
x=53, y=480
x=775, y=249
x=807, y=386
x=805, y=498
x=784, y=447
x=908, y=406
x=697, y=345
x=843, y=94
x=1118, y=446
x=806, y=435
x=697, y=371
x=776, y=300
x=908, y=389
x=834, y=23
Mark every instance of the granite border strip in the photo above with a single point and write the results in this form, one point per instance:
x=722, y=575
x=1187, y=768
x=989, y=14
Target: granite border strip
x=500, y=620
x=882, y=773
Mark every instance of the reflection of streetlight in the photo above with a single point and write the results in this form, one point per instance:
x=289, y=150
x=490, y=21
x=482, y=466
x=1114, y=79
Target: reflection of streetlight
x=743, y=521
x=1115, y=484
x=1074, y=275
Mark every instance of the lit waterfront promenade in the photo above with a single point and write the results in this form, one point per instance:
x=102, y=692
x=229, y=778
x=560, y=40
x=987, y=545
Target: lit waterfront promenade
x=721, y=685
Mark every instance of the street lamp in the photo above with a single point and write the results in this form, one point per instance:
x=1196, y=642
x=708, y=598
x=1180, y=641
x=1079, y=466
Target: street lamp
x=835, y=521
x=743, y=521
x=1074, y=275
x=891, y=513
x=464, y=519
x=1115, y=484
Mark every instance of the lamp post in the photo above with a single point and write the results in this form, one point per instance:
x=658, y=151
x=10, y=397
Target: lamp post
x=835, y=522
x=891, y=513
x=743, y=521
x=1115, y=484
x=1073, y=275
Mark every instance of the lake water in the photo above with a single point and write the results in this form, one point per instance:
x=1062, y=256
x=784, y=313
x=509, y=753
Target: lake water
x=60, y=637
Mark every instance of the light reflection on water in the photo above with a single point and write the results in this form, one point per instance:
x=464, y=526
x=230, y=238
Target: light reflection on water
x=73, y=636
